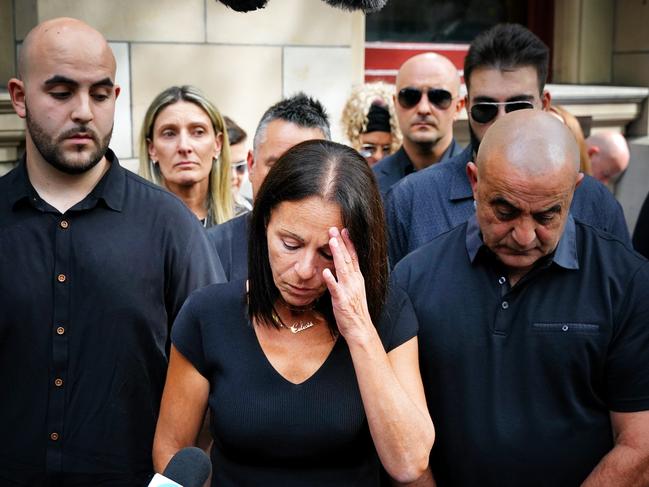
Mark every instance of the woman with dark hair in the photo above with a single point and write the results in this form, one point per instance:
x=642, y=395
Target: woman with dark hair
x=300, y=388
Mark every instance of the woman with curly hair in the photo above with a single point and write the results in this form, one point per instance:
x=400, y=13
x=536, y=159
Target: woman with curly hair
x=370, y=123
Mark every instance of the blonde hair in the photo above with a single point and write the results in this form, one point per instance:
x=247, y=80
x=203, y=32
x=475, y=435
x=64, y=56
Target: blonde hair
x=220, y=202
x=354, y=117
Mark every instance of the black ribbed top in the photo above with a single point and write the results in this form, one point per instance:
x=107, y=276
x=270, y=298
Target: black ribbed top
x=267, y=430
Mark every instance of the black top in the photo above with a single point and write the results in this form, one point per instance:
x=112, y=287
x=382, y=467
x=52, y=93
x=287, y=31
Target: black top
x=86, y=302
x=230, y=239
x=267, y=430
x=641, y=232
x=520, y=381
x=393, y=168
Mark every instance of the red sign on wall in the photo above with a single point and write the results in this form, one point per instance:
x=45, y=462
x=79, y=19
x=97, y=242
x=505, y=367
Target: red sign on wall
x=383, y=59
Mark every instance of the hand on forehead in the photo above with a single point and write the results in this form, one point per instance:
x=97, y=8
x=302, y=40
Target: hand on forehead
x=530, y=142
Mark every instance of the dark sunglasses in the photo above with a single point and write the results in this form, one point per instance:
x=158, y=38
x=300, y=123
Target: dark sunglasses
x=239, y=166
x=486, y=111
x=409, y=97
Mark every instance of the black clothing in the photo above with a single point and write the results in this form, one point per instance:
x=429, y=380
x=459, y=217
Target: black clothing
x=267, y=430
x=86, y=302
x=391, y=169
x=230, y=239
x=641, y=232
x=520, y=380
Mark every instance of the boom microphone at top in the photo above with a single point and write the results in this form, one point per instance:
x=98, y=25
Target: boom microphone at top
x=364, y=5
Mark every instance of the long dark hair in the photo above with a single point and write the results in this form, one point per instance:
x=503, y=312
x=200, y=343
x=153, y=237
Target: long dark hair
x=338, y=174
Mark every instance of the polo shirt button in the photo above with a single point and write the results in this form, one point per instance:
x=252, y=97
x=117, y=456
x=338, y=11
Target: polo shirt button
x=564, y=328
x=54, y=436
x=505, y=304
x=502, y=280
x=58, y=382
x=60, y=330
x=64, y=224
x=61, y=278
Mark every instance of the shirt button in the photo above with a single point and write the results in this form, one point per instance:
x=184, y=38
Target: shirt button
x=505, y=304
x=54, y=436
x=64, y=224
x=58, y=382
x=60, y=330
x=61, y=278
x=502, y=280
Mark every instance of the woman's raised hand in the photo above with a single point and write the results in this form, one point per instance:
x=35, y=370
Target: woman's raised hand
x=347, y=288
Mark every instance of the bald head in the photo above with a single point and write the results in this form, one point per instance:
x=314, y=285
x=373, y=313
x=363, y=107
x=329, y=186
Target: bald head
x=427, y=102
x=609, y=155
x=523, y=184
x=529, y=142
x=429, y=65
x=63, y=36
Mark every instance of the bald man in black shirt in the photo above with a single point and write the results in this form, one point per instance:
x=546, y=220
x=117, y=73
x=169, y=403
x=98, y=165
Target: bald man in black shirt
x=96, y=263
x=533, y=326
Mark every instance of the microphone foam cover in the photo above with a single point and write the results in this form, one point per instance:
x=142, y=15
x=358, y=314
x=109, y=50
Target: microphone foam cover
x=190, y=467
x=244, y=5
x=366, y=6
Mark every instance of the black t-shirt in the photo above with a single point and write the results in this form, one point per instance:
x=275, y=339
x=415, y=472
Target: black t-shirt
x=267, y=430
x=520, y=380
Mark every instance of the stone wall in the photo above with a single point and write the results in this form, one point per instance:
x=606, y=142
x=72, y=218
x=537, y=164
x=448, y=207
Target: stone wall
x=243, y=62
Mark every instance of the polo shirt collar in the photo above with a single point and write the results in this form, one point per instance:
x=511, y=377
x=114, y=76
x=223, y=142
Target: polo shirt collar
x=111, y=188
x=459, y=186
x=565, y=255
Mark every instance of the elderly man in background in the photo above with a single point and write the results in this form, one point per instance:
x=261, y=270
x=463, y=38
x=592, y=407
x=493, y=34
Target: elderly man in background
x=285, y=124
x=609, y=155
x=533, y=326
x=427, y=102
x=96, y=264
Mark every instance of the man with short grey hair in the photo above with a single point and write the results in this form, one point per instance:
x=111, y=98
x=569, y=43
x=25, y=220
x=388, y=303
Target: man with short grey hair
x=285, y=124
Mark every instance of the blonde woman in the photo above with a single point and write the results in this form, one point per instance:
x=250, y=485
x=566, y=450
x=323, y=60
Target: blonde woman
x=184, y=148
x=369, y=121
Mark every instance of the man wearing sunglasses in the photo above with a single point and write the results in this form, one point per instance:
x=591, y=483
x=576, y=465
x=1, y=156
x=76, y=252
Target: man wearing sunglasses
x=427, y=102
x=505, y=70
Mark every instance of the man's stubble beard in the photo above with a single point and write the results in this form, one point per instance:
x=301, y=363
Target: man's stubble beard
x=50, y=149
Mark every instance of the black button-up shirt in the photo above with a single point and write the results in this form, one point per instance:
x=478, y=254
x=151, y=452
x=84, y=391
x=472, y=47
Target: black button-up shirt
x=87, y=299
x=520, y=379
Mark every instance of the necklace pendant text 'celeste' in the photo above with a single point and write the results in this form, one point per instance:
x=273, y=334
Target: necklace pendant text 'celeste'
x=300, y=326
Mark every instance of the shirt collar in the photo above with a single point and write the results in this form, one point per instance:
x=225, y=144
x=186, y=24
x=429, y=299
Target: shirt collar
x=449, y=152
x=111, y=188
x=459, y=186
x=565, y=255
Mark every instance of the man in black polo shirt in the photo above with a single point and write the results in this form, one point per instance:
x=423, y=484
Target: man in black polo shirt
x=96, y=263
x=285, y=124
x=533, y=327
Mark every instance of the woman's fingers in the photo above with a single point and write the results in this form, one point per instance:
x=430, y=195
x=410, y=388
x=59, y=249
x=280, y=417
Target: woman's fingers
x=351, y=249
